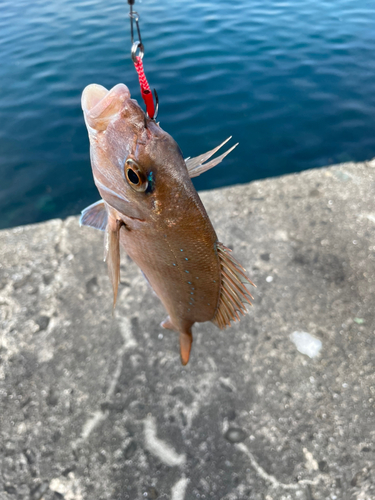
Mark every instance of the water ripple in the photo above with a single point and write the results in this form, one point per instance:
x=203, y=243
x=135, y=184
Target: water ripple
x=291, y=81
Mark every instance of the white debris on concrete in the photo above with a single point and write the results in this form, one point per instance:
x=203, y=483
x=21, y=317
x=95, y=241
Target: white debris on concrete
x=160, y=448
x=126, y=332
x=68, y=487
x=179, y=489
x=311, y=463
x=91, y=423
x=306, y=343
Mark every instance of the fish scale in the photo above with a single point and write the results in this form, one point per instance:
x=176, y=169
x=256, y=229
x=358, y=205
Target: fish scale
x=171, y=282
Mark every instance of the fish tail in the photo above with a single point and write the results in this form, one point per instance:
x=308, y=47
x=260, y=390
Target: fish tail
x=186, y=340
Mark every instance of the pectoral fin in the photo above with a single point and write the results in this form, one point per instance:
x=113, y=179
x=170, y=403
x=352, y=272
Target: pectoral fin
x=186, y=340
x=95, y=216
x=196, y=166
x=112, y=254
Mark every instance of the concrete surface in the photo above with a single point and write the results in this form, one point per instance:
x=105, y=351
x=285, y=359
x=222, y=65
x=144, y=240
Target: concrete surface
x=95, y=406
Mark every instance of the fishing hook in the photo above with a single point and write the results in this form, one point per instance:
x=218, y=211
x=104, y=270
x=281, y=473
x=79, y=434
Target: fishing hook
x=157, y=105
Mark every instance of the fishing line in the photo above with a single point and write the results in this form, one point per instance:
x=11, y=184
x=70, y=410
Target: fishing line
x=138, y=64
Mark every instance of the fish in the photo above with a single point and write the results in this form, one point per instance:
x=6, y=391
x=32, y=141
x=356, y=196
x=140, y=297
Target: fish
x=150, y=208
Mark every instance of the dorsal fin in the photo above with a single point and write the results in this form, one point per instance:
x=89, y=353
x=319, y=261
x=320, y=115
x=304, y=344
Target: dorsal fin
x=195, y=165
x=233, y=293
x=95, y=216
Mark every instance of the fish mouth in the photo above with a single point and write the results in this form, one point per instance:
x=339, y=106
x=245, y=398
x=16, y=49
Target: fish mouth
x=91, y=95
x=101, y=105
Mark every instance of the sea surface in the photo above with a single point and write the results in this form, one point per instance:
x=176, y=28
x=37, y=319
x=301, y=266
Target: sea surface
x=292, y=81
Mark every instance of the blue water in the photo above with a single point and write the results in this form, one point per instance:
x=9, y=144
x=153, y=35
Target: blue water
x=292, y=81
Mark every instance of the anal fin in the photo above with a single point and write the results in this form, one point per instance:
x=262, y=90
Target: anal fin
x=167, y=324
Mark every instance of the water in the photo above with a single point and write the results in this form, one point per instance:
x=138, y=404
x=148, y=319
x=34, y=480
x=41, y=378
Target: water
x=292, y=81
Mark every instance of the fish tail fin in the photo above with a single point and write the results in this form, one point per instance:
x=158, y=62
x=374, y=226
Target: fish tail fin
x=234, y=296
x=186, y=340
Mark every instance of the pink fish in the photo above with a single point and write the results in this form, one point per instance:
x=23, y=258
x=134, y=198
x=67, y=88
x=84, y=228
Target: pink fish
x=151, y=207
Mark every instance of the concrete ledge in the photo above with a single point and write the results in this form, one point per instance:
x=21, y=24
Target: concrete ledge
x=95, y=406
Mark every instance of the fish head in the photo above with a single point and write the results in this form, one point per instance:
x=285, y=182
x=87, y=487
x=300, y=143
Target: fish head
x=138, y=168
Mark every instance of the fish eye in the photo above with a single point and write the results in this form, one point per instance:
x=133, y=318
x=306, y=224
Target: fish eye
x=132, y=176
x=135, y=177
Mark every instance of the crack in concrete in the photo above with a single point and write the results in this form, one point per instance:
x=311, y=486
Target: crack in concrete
x=203, y=395
x=101, y=415
x=159, y=448
x=275, y=483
